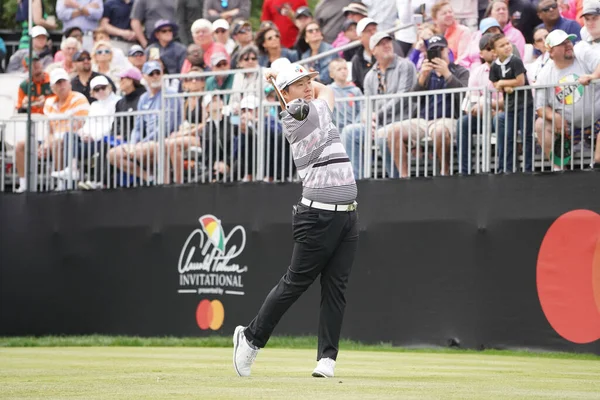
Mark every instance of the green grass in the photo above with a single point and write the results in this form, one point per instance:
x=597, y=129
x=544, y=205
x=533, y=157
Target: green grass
x=207, y=373
x=276, y=342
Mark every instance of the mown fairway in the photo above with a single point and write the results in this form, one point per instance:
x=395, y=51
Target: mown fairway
x=207, y=373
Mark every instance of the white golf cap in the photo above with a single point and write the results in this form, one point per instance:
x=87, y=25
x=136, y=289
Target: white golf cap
x=557, y=37
x=291, y=74
x=363, y=23
x=280, y=63
x=38, y=31
x=98, y=81
x=220, y=24
x=57, y=75
x=376, y=38
x=249, y=102
x=591, y=7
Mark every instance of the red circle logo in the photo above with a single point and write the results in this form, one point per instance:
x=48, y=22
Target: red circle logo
x=568, y=276
x=210, y=314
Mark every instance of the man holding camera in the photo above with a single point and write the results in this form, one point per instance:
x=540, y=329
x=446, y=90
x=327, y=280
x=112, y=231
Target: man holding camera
x=436, y=117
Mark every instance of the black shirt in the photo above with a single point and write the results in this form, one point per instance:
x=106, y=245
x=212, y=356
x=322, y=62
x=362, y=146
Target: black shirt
x=523, y=16
x=78, y=86
x=360, y=67
x=510, y=69
x=128, y=103
x=118, y=12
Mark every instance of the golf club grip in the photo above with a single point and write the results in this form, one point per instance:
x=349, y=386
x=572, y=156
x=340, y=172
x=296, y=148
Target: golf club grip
x=279, y=95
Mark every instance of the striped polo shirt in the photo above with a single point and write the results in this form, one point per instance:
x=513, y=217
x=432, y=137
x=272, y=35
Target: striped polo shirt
x=320, y=157
x=75, y=105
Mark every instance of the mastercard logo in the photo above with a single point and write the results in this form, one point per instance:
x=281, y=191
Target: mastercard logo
x=210, y=314
x=568, y=276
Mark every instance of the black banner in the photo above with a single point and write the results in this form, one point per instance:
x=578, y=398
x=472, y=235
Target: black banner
x=440, y=261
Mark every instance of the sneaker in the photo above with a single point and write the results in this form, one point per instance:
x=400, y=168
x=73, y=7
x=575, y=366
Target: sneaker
x=66, y=174
x=21, y=189
x=325, y=367
x=243, y=354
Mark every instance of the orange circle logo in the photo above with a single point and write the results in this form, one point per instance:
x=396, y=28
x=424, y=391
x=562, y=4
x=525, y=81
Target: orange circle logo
x=568, y=276
x=210, y=314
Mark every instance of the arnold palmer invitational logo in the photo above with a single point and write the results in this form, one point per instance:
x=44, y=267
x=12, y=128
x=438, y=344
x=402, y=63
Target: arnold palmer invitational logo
x=206, y=263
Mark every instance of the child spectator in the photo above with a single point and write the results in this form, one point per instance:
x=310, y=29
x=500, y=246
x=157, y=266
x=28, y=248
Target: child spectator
x=348, y=112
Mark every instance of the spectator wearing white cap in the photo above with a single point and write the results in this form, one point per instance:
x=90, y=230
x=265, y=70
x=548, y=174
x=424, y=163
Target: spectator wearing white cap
x=66, y=104
x=220, y=29
x=138, y=156
x=40, y=47
x=591, y=27
x=314, y=38
x=363, y=58
x=84, y=14
x=132, y=89
x=116, y=20
x=226, y=9
x=566, y=111
x=202, y=34
x=219, y=62
x=171, y=52
x=390, y=74
x=89, y=140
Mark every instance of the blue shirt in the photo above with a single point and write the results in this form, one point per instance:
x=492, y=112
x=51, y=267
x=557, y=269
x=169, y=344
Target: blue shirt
x=118, y=12
x=567, y=25
x=263, y=59
x=85, y=23
x=173, y=55
x=321, y=65
x=146, y=128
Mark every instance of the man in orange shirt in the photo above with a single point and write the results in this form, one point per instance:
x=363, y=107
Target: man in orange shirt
x=40, y=90
x=66, y=103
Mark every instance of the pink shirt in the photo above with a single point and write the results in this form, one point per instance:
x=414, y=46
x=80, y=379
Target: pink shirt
x=458, y=37
x=214, y=48
x=480, y=77
x=471, y=58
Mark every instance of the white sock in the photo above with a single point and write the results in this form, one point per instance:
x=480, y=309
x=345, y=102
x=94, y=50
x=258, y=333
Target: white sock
x=23, y=182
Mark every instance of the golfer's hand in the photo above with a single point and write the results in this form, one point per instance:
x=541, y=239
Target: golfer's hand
x=270, y=74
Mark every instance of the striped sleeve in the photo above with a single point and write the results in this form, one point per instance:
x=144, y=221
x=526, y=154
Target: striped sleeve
x=79, y=107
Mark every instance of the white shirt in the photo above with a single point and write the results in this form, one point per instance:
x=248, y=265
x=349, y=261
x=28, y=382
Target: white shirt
x=100, y=118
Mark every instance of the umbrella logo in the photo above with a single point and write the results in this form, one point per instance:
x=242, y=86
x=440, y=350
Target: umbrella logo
x=214, y=232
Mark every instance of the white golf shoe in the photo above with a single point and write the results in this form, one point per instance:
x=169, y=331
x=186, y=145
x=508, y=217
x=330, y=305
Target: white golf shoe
x=325, y=367
x=243, y=354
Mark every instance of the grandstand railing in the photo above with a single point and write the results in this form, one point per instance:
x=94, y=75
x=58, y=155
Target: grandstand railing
x=221, y=153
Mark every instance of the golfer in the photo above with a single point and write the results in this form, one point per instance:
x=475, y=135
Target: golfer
x=325, y=222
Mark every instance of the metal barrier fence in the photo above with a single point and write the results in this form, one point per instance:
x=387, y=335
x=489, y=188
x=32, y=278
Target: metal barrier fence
x=236, y=135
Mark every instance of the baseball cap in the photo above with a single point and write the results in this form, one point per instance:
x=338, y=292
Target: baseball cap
x=488, y=23
x=356, y=8
x=38, y=31
x=161, y=23
x=238, y=25
x=100, y=80
x=485, y=41
x=303, y=12
x=220, y=24
x=591, y=7
x=151, y=66
x=347, y=24
x=218, y=57
x=436, y=41
x=363, y=23
x=79, y=54
x=58, y=74
x=376, y=38
x=249, y=102
x=557, y=37
x=131, y=73
x=292, y=73
x=136, y=48
x=201, y=24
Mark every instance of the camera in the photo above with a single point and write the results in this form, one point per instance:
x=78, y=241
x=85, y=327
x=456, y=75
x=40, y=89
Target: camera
x=433, y=53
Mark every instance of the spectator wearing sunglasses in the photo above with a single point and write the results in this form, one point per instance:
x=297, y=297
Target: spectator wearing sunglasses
x=219, y=62
x=226, y=9
x=241, y=33
x=132, y=89
x=102, y=61
x=268, y=41
x=314, y=38
x=145, y=13
x=245, y=83
x=84, y=74
x=220, y=29
x=550, y=15
x=171, y=52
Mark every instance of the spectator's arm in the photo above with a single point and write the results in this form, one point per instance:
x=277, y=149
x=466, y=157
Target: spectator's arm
x=65, y=13
x=458, y=79
x=209, y=13
x=181, y=17
x=38, y=17
x=136, y=27
x=95, y=13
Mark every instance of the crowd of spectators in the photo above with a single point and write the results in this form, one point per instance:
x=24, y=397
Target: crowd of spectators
x=115, y=53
